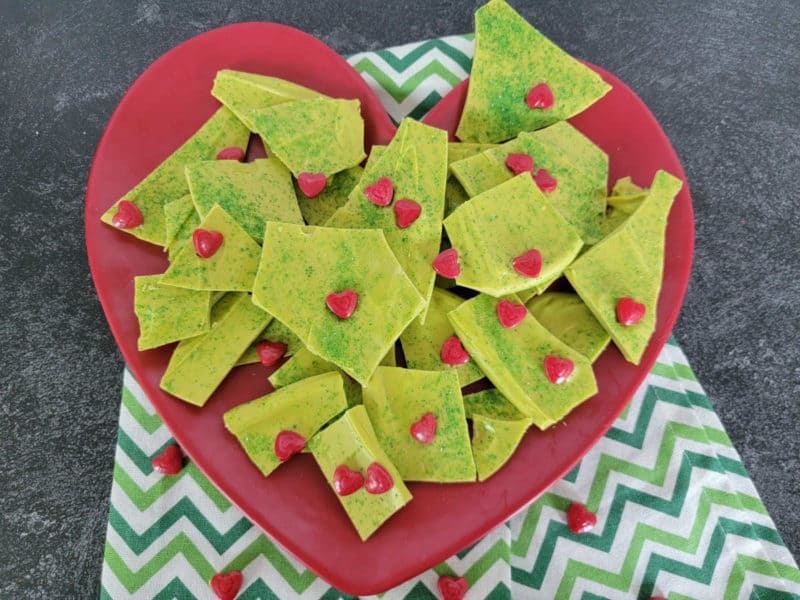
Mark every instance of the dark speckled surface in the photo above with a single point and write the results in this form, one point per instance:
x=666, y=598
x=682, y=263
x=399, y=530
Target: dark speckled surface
x=722, y=78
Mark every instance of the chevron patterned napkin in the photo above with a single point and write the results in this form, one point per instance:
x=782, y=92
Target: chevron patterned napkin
x=678, y=515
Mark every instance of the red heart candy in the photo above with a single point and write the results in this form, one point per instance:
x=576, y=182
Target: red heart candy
x=657, y=598
x=446, y=264
x=226, y=585
x=342, y=304
x=545, y=181
x=169, y=462
x=231, y=153
x=528, y=264
x=287, y=444
x=206, y=243
x=519, y=163
x=540, y=96
x=127, y=216
x=380, y=192
x=509, y=314
x=452, y=352
x=378, y=480
x=452, y=588
x=406, y=212
x=270, y=352
x=580, y=520
x=312, y=184
x=346, y=481
x=424, y=430
x=558, y=369
x=630, y=312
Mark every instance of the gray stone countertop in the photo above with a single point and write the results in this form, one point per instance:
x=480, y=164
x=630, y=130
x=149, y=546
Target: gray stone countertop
x=723, y=78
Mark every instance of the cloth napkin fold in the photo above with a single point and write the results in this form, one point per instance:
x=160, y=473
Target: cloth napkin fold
x=677, y=514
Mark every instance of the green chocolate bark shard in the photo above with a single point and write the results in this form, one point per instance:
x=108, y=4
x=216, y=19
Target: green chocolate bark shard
x=491, y=403
x=316, y=211
x=322, y=135
x=205, y=360
x=231, y=268
x=580, y=196
x=305, y=364
x=302, y=408
x=251, y=193
x=570, y=320
x=274, y=332
x=539, y=288
x=416, y=163
x=351, y=441
x=503, y=223
x=300, y=266
x=494, y=441
x=629, y=263
x=168, y=314
x=244, y=92
x=513, y=359
x=613, y=269
x=625, y=199
x=454, y=194
x=396, y=399
x=649, y=222
x=562, y=139
x=181, y=220
x=511, y=57
x=167, y=181
x=422, y=344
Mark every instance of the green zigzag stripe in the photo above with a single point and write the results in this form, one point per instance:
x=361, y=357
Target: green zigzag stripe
x=144, y=499
x=401, y=64
x=642, y=533
x=636, y=438
x=184, y=508
x=150, y=423
x=400, y=92
x=142, y=461
x=174, y=589
x=182, y=544
x=604, y=541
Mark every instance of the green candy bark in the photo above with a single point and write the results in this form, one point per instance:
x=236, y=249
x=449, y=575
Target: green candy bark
x=491, y=403
x=167, y=182
x=303, y=408
x=494, y=441
x=168, y=314
x=629, y=263
x=181, y=220
x=322, y=135
x=251, y=193
x=513, y=359
x=305, y=364
x=511, y=57
x=301, y=266
x=416, y=162
x=562, y=139
x=244, y=92
x=351, y=441
x=197, y=368
x=396, y=398
x=231, y=268
x=502, y=223
x=316, y=211
x=422, y=344
x=454, y=193
x=274, y=332
x=570, y=320
x=580, y=197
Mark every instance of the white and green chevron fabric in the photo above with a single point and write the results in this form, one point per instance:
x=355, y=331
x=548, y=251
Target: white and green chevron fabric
x=678, y=515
